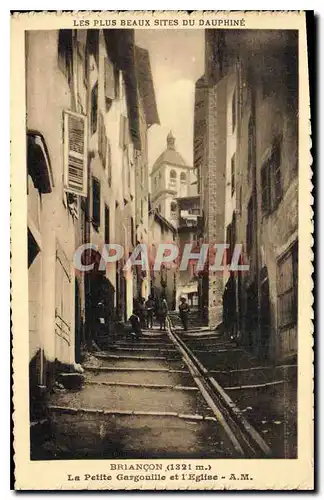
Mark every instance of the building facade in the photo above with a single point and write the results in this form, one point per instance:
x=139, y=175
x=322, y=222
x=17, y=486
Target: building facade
x=148, y=116
x=84, y=158
x=248, y=183
x=187, y=234
x=163, y=279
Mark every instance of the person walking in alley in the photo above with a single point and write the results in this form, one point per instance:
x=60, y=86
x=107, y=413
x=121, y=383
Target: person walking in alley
x=163, y=312
x=184, y=312
x=149, y=311
x=136, y=325
x=139, y=310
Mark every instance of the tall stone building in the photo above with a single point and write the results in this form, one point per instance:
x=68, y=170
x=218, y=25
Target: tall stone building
x=148, y=116
x=246, y=150
x=210, y=143
x=90, y=101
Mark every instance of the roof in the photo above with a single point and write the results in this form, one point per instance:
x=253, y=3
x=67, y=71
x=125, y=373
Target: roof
x=145, y=85
x=38, y=162
x=120, y=47
x=193, y=198
x=170, y=155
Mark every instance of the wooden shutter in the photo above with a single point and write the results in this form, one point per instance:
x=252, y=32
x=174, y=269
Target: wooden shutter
x=109, y=80
x=75, y=153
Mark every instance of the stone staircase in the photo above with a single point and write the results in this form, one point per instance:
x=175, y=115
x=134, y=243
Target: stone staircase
x=195, y=321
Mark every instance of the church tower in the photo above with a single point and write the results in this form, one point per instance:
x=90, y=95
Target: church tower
x=170, y=179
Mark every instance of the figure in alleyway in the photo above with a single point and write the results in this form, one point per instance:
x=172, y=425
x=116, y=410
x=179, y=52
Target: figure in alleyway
x=149, y=311
x=142, y=312
x=229, y=309
x=162, y=314
x=135, y=325
x=184, y=312
x=139, y=310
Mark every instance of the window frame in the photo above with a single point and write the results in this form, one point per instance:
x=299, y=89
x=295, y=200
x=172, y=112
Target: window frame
x=94, y=109
x=234, y=113
x=96, y=204
x=271, y=179
x=233, y=169
x=107, y=224
x=292, y=253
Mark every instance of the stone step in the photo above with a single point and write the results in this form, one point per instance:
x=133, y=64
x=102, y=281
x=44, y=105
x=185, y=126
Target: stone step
x=130, y=399
x=148, y=377
x=85, y=435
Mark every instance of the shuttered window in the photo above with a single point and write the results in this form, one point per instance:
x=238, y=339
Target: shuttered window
x=123, y=132
x=96, y=203
x=288, y=288
x=109, y=163
x=102, y=141
x=271, y=182
x=109, y=83
x=233, y=166
x=75, y=153
x=107, y=225
x=250, y=229
x=94, y=108
x=234, y=111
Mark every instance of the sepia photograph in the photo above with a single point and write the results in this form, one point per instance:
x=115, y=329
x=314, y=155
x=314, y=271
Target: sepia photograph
x=162, y=171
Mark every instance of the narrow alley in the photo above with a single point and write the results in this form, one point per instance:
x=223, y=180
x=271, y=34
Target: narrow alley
x=159, y=195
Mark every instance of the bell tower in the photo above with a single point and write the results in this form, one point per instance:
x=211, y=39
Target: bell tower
x=170, y=141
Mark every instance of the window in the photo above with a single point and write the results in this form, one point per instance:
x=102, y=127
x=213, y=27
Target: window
x=228, y=241
x=234, y=111
x=109, y=163
x=94, y=108
x=102, y=141
x=173, y=178
x=251, y=145
x=75, y=153
x=107, y=225
x=123, y=132
x=132, y=231
x=81, y=49
x=93, y=44
x=240, y=200
x=183, y=177
x=65, y=45
x=233, y=174
x=276, y=157
x=231, y=238
x=287, y=291
x=109, y=75
x=271, y=183
x=266, y=86
x=265, y=188
x=95, y=203
x=62, y=297
x=173, y=209
x=250, y=230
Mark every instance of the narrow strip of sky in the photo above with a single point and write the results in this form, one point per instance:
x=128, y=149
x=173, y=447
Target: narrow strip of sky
x=177, y=61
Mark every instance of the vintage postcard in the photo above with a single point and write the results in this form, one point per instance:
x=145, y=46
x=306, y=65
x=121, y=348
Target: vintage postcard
x=161, y=251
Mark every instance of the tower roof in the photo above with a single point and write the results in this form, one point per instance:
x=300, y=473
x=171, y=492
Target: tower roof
x=170, y=155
